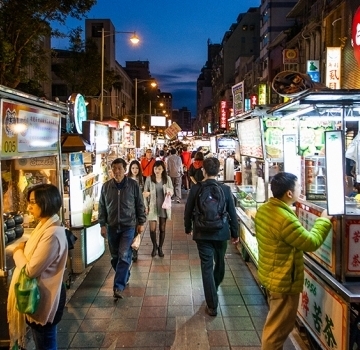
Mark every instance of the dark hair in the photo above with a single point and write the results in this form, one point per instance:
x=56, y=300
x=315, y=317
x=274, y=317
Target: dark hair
x=281, y=183
x=162, y=153
x=47, y=197
x=184, y=148
x=163, y=174
x=199, y=156
x=119, y=161
x=211, y=166
x=173, y=151
x=139, y=175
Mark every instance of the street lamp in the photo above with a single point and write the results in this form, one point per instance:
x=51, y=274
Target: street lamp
x=134, y=39
x=153, y=84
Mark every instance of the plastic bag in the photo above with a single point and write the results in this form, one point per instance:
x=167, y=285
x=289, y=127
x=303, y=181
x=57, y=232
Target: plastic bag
x=167, y=202
x=136, y=242
x=27, y=293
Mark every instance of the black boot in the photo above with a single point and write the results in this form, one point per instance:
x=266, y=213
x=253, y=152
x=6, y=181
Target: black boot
x=153, y=240
x=161, y=242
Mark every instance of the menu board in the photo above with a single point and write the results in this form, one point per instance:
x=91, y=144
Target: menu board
x=312, y=135
x=249, y=134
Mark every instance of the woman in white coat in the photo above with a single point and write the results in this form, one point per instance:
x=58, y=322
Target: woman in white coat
x=157, y=187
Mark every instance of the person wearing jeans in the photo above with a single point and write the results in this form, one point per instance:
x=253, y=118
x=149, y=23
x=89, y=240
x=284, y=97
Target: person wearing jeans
x=121, y=212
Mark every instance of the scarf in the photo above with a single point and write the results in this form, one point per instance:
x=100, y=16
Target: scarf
x=16, y=320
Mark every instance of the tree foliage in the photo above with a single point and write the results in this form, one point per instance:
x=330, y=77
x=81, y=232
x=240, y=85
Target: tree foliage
x=23, y=25
x=81, y=70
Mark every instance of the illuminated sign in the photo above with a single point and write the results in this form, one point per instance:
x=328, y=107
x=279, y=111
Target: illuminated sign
x=262, y=94
x=253, y=100
x=223, y=115
x=313, y=70
x=78, y=112
x=333, y=67
x=238, y=98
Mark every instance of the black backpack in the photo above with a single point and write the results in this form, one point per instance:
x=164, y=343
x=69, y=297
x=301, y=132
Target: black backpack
x=210, y=208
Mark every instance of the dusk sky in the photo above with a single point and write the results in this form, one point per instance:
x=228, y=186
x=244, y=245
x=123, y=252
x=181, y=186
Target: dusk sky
x=173, y=34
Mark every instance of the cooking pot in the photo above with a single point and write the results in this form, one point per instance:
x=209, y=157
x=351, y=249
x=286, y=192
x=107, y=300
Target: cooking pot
x=11, y=235
x=19, y=231
x=18, y=219
x=10, y=222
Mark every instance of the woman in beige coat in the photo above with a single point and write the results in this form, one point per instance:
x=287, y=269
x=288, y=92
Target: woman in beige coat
x=157, y=187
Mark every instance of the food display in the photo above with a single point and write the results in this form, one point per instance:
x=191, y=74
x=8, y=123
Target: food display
x=245, y=196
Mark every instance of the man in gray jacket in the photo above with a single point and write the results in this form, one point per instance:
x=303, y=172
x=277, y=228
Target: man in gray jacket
x=175, y=171
x=121, y=212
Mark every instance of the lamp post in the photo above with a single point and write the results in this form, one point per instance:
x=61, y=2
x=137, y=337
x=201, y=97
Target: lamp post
x=134, y=39
x=153, y=84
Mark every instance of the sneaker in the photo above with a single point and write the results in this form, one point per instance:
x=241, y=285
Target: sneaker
x=118, y=294
x=178, y=201
x=211, y=312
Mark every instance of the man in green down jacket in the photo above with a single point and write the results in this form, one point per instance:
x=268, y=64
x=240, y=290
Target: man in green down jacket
x=282, y=240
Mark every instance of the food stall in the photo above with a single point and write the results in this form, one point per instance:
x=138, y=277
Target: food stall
x=30, y=154
x=84, y=168
x=310, y=136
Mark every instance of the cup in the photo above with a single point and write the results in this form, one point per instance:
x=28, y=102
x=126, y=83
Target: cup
x=87, y=219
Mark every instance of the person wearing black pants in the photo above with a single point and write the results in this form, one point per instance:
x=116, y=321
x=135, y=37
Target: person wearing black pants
x=212, y=244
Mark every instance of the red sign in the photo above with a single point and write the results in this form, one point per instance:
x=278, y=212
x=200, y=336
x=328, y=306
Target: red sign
x=253, y=100
x=223, y=115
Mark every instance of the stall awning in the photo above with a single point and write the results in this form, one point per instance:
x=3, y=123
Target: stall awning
x=314, y=100
x=74, y=143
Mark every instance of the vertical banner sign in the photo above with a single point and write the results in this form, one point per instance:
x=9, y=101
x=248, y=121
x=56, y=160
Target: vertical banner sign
x=28, y=129
x=262, y=94
x=223, y=115
x=313, y=70
x=323, y=312
x=353, y=246
x=253, y=100
x=333, y=67
x=238, y=98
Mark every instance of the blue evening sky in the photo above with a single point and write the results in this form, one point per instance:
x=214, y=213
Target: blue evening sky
x=174, y=36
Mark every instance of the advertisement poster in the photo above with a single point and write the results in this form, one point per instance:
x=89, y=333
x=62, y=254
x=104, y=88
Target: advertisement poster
x=238, y=98
x=250, y=138
x=323, y=312
x=28, y=129
x=312, y=137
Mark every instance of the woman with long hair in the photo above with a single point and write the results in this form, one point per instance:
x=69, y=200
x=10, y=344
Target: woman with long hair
x=157, y=186
x=136, y=174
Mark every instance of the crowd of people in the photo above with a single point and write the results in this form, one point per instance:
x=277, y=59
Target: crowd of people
x=136, y=194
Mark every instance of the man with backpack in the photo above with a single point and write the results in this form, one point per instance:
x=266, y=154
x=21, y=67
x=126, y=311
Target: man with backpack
x=210, y=217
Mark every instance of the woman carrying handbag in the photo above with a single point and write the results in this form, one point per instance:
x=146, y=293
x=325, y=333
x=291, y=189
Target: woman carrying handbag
x=157, y=187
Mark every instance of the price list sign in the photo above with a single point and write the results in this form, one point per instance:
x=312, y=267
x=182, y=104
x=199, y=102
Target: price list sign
x=249, y=134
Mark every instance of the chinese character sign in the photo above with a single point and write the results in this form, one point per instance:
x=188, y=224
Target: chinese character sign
x=223, y=115
x=238, y=98
x=262, y=94
x=323, y=312
x=333, y=67
x=353, y=243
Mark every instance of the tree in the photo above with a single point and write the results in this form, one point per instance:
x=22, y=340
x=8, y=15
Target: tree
x=81, y=70
x=23, y=24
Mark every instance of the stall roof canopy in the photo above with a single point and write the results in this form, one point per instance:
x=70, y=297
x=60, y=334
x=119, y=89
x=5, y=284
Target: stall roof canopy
x=74, y=143
x=314, y=100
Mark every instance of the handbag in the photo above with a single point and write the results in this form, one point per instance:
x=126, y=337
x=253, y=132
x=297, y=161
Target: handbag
x=167, y=202
x=27, y=293
x=136, y=242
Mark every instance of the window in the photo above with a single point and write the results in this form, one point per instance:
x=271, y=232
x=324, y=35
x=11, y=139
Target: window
x=245, y=27
x=96, y=30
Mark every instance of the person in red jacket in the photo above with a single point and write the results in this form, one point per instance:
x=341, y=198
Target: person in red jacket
x=186, y=161
x=147, y=163
x=195, y=171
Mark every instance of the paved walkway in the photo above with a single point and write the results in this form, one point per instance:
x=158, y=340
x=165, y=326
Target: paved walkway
x=163, y=305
